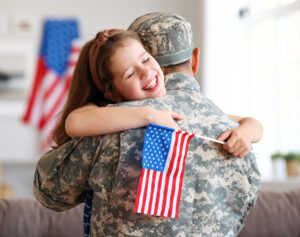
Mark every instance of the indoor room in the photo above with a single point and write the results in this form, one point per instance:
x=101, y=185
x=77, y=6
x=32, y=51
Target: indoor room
x=249, y=66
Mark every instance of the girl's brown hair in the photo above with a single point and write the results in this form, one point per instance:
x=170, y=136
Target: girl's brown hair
x=92, y=78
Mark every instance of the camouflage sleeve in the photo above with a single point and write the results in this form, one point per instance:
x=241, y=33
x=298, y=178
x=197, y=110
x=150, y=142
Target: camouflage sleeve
x=61, y=176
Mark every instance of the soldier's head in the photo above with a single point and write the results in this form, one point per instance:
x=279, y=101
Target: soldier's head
x=169, y=38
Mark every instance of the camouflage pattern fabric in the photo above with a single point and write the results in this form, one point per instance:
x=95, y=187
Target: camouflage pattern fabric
x=218, y=189
x=166, y=36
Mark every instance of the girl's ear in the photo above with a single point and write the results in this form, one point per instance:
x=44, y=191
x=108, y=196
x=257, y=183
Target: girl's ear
x=113, y=96
x=195, y=60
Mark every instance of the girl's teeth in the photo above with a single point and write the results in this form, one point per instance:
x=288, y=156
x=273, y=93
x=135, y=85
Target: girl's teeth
x=151, y=85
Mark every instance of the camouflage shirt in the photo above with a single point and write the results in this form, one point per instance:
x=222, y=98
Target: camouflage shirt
x=218, y=189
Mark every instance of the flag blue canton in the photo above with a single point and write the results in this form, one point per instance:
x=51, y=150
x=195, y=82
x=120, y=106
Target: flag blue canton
x=156, y=146
x=57, y=38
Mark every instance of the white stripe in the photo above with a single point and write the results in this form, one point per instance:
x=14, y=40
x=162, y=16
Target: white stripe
x=51, y=123
x=50, y=78
x=172, y=174
x=54, y=95
x=161, y=191
x=73, y=57
x=46, y=132
x=142, y=192
x=155, y=191
x=70, y=71
x=178, y=177
x=37, y=106
x=148, y=192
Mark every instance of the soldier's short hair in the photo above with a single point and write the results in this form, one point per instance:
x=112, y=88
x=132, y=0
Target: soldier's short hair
x=168, y=37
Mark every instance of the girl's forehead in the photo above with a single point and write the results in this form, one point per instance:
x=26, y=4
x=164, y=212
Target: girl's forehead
x=130, y=41
x=127, y=57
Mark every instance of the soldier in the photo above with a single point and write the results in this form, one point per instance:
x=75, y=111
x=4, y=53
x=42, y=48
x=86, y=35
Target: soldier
x=218, y=188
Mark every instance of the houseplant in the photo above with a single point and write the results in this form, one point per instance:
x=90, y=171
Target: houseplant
x=292, y=161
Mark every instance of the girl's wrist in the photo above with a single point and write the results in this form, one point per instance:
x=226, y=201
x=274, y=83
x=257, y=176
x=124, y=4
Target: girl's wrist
x=247, y=133
x=149, y=115
x=152, y=115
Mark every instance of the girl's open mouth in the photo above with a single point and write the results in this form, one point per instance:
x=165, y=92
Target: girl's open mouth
x=151, y=84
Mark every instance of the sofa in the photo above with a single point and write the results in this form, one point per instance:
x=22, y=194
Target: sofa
x=276, y=214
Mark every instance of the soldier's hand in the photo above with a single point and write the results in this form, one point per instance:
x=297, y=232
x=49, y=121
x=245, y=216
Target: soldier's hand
x=236, y=142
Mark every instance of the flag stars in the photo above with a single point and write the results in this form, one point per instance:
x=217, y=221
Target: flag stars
x=156, y=147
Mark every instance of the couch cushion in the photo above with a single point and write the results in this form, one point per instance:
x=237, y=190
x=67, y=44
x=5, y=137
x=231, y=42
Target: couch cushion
x=275, y=214
x=28, y=218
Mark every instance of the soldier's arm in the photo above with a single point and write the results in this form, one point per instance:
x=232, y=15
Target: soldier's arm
x=91, y=120
x=61, y=176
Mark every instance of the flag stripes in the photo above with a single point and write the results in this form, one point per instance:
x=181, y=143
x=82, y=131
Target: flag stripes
x=159, y=191
x=58, y=56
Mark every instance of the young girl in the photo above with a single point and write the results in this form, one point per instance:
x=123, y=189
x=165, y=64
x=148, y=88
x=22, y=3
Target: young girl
x=115, y=67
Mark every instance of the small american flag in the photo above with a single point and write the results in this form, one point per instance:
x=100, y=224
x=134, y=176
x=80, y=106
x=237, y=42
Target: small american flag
x=160, y=183
x=58, y=56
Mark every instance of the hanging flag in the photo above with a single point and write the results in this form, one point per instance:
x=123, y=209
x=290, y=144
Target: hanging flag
x=58, y=56
x=160, y=183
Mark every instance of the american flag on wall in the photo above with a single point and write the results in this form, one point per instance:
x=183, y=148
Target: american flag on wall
x=161, y=179
x=58, y=56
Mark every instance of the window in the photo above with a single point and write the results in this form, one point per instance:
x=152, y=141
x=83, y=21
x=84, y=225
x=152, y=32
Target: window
x=251, y=67
x=274, y=72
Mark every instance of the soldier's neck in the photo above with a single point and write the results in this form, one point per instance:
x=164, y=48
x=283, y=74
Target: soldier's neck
x=180, y=70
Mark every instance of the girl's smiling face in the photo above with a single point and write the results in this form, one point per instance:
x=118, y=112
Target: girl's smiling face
x=136, y=74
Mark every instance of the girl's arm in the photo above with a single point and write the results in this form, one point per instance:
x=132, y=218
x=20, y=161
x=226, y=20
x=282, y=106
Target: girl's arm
x=239, y=139
x=91, y=120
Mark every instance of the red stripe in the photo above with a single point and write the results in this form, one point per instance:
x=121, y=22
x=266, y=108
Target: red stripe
x=152, y=191
x=39, y=76
x=145, y=192
x=47, y=117
x=181, y=177
x=139, y=191
x=158, y=193
x=51, y=88
x=72, y=64
x=75, y=50
x=168, y=173
x=175, y=175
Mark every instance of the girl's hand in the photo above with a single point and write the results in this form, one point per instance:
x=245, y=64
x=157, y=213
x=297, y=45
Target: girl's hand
x=237, y=141
x=165, y=118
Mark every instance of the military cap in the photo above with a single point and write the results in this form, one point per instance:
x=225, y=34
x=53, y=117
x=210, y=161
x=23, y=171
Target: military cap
x=168, y=37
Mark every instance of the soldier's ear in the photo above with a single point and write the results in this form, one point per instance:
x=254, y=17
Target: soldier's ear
x=195, y=60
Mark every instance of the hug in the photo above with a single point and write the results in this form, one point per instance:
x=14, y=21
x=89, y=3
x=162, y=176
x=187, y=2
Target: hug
x=123, y=81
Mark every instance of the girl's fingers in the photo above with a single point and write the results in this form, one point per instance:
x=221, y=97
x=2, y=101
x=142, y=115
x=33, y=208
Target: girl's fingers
x=224, y=136
x=236, y=148
x=176, y=116
x=238, y=152
x=244, y=153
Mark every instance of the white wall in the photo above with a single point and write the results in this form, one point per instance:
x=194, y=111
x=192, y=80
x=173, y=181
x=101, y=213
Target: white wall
x=224, y=53
x=95, y=15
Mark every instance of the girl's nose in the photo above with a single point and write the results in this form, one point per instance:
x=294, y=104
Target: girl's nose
x=145, y=73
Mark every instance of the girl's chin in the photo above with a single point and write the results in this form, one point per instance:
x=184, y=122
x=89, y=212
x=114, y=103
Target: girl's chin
x=159, y=93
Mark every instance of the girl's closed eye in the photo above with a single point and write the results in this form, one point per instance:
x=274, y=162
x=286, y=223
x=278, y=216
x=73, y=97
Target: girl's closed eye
x=146, y=60
x=130, y=75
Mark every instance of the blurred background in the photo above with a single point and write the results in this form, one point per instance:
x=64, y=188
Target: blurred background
x=249, y=66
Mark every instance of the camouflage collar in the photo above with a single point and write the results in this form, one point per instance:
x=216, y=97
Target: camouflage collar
x=179, y=81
